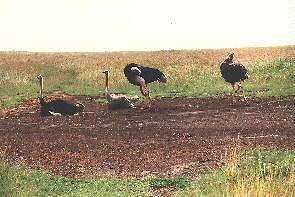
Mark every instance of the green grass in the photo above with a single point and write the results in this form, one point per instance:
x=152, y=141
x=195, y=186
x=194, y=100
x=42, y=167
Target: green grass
x=17, y=181
x=6, y=187
x=177, y=182
x=276, y=79
x=253, y=173
x=24, y=182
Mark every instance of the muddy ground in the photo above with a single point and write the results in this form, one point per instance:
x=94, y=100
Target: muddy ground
x=180, y=136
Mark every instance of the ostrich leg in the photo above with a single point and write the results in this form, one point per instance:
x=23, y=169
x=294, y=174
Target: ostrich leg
x=145, y=92
x=144, y=89
x=239, y=87
x=234, y=89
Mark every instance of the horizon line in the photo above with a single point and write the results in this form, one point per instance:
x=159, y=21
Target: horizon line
x=151, y=50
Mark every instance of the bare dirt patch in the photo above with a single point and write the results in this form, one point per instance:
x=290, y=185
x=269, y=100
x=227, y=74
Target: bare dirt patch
x=180, y=136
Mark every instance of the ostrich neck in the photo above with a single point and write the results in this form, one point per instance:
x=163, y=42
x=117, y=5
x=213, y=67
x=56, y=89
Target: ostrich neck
x=41, y=87
x=107, y=84
x=108, y=95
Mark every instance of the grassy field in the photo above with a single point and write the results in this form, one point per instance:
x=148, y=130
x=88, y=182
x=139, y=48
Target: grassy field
x=253, y=173
x=190, y=73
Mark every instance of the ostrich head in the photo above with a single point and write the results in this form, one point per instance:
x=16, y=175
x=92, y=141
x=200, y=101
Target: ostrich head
x=228, y=60
x=106, y=72
x=161, y=77
x=230, y=57
x=79, y=107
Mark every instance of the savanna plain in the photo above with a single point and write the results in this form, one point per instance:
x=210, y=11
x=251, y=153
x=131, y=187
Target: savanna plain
x=197, y=139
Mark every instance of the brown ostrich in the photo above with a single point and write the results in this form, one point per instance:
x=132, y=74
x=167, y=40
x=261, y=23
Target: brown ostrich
x=116, y=101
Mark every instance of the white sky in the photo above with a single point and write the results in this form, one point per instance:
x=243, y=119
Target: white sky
x=113, y=25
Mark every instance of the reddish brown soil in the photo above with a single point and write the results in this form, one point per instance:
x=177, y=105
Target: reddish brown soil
x=180, y=136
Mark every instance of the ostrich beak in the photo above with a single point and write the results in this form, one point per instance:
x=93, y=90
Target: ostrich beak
x=230, y=56
x=80, y=106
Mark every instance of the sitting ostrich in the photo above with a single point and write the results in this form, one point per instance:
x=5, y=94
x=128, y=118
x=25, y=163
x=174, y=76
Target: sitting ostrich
x=233, y=72
x=141, y=76
x=57, y=106
x=116, y=101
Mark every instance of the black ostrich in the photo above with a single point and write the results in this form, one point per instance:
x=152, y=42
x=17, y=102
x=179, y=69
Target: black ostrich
x=141, y=76
x=57, y=106
x=233, y=72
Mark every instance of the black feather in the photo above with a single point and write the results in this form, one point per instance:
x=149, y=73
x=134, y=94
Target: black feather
x=233, y=72
x=148, y=74
x=59, y=106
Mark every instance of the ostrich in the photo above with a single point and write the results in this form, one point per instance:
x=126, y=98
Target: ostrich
x=57, y=106
x=116, y=101
x=141, y=76
x=233, y=72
